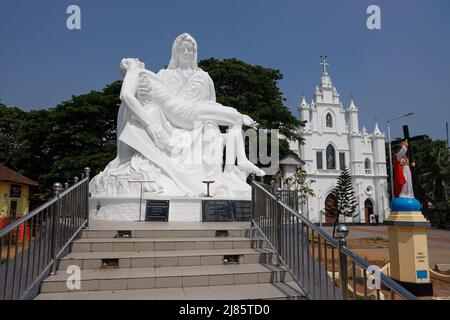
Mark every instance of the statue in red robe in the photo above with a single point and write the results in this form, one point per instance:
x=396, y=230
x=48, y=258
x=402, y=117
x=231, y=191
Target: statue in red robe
x=403, y=186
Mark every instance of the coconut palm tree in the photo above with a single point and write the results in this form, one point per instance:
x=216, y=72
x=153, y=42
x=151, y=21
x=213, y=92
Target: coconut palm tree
x=436, y=179
x=437, y=173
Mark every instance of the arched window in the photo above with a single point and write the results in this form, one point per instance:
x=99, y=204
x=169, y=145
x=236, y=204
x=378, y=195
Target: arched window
x=331, y=158
x=329, y=120
x=367, y=165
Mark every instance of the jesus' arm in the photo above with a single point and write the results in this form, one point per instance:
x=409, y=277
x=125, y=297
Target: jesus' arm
x=128, y=95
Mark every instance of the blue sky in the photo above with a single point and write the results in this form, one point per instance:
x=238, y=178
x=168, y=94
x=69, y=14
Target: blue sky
x=404, y=67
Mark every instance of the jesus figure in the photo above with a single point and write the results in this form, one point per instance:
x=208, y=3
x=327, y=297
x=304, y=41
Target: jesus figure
x=403, y=185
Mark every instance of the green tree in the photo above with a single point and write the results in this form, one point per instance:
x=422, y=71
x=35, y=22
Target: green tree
x=300, y=182
x=35, y=153
x=435, y=178
x=83, y=133
x=56, y=144
x=253, y=90
x=344, y=199
x=10, y=126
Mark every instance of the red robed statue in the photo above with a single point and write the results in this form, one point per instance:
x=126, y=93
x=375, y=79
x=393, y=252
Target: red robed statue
x=403, y=187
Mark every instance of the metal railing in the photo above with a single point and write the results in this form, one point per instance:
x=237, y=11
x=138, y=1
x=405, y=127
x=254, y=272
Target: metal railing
x=289, y=197
x=323, y=267
x=31, y=246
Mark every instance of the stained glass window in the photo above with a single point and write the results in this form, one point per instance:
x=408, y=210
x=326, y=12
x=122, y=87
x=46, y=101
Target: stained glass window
x=331, y=158
x=329, y=121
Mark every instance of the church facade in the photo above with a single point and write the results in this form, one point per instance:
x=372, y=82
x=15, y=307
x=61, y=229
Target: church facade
x=333, y=140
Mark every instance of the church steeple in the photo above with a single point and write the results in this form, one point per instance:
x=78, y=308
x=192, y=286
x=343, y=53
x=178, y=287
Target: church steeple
x=353, y=116
x=352, y=106
x=326, y=93
x=304, y=110
x=377, y=131
x=303, y=104
x=325, y=81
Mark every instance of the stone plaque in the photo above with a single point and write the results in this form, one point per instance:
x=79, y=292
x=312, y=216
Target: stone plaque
x=226, y=210
x=242, y=210
x=217, y=211
x=157, y=210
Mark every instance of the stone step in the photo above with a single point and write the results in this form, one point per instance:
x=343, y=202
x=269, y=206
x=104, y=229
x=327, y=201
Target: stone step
x=170, y=277
x=174, y=258
x=161, y=244
x=109, y=229
x=186, y=233
x=269, y=291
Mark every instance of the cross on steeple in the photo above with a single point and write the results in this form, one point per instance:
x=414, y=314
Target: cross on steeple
x=323, y=62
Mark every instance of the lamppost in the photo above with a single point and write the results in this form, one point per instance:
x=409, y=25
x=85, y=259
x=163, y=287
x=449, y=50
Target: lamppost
x=318, y=208
x=391, y=169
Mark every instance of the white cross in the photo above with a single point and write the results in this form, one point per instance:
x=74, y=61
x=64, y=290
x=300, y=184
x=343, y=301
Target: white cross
x=324, y=63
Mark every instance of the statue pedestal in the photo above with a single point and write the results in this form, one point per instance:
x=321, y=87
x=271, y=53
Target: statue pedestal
x=181, y=209
x=408, y=247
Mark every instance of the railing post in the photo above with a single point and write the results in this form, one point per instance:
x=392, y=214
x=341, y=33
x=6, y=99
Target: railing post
x=279, y=226
x=57, y=188
x=252, y=224
x=87, y=171
x=341, y=234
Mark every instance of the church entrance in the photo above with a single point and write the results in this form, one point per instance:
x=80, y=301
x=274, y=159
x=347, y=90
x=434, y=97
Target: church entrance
x=368, y=208
x=330, y=206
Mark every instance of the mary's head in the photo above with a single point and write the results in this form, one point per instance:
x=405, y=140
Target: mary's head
x=184, y=53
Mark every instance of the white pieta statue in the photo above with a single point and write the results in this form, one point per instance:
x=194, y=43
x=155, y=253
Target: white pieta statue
x=168, y=136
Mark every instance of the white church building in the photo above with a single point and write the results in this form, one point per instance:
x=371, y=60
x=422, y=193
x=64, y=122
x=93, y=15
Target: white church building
x=333, y=140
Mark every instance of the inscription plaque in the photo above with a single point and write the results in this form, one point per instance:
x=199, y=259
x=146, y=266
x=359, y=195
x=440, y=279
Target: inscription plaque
x=157, y=210
x=217, y=211
x=226, y=210
x=242, y=210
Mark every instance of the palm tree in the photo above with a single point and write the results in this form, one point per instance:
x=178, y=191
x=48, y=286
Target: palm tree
x=436, y=177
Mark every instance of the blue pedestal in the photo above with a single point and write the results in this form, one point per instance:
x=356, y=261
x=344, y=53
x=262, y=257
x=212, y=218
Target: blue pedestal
x=406, y=205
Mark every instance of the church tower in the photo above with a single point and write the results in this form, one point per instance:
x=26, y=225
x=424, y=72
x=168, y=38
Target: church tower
x=379, y=151
x=304, y=111
x=356, y=161
x=353, y=117
x=328, y=115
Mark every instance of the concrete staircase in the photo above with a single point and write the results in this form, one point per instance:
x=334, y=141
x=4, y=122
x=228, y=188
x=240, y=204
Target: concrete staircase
x=193, y=261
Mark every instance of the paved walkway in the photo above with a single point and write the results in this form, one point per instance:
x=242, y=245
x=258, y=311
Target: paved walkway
x=438, y=240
